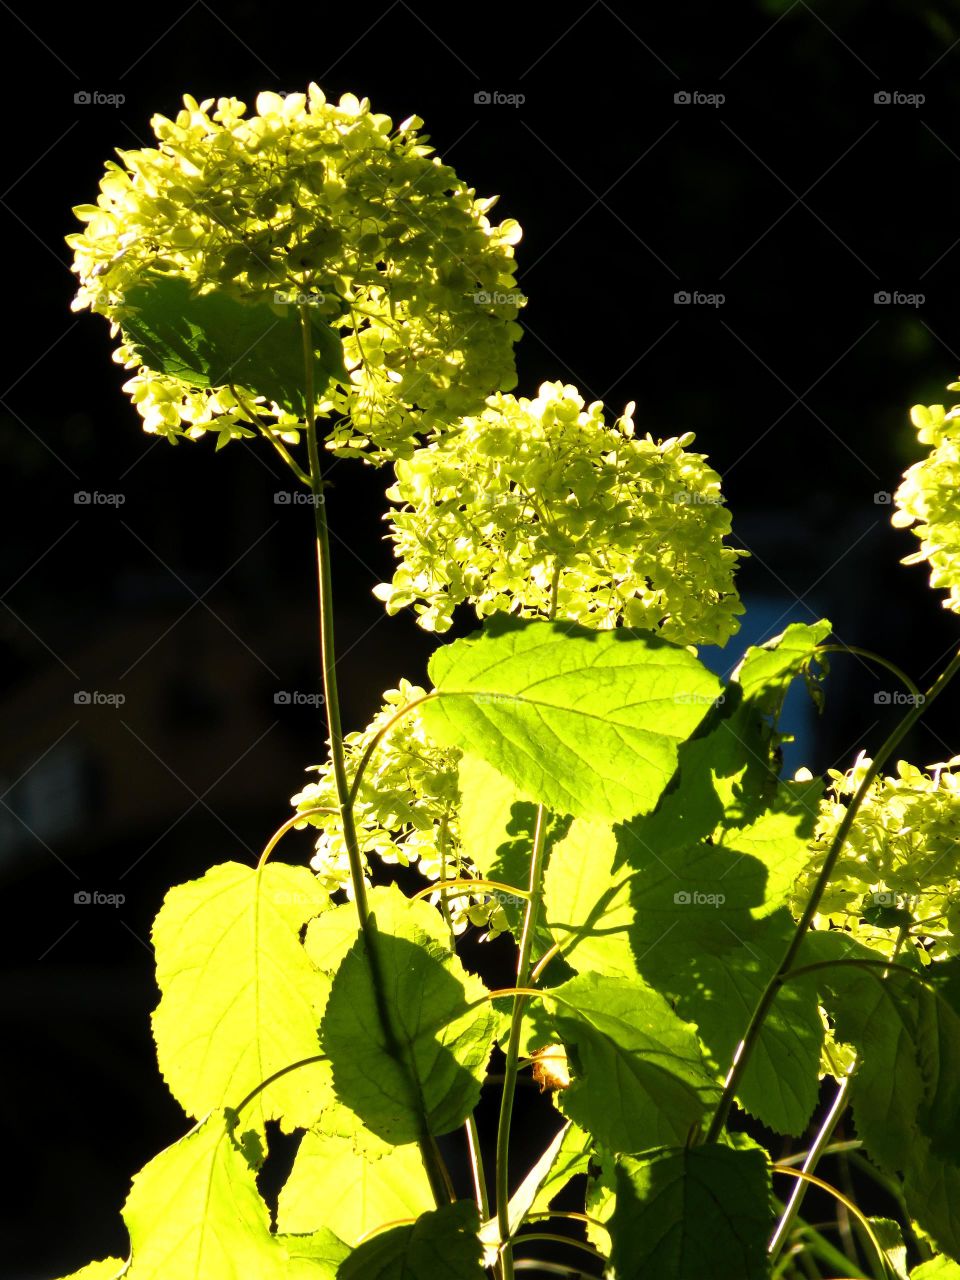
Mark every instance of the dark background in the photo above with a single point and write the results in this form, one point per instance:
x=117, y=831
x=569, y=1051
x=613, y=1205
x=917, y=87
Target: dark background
x=798, y=198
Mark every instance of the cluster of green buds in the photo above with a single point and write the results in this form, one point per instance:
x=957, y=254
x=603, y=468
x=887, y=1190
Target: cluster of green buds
x=540, y=508
x=899, y=869
x=929, y=497
x=406, y=811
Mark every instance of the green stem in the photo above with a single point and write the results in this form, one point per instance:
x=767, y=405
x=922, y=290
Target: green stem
x=512, y=1066
x=267, y=434
x=433, y=1163
x=857, y=652
x=531, y=916
x=751, y=1035
x=839, y=1105
x=837, y=1108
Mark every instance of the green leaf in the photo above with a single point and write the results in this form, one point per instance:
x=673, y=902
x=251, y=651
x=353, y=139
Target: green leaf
x=585, y=722
x=240, y=998
x=906, y=1092
x=107, y=1269
x=313, y=1257
x=638, y=1076
x=690, y=1213
x=684, y=920
x=766, y=670
x=931, y=1188
x=890, y=1238
x=497, y=829
x=443, y=1243
x=566, y=1156
x=335, y=1185
x=194, y=1212
x=330, y=937
x=212, y=339
x=939, y=1268
x=429, y=1080
x=908, y=1041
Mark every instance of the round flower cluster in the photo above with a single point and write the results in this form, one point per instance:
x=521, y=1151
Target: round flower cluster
x=536, y=497
x=323, y=201
x=900, y=865
x=929, y=497
x=405, y=812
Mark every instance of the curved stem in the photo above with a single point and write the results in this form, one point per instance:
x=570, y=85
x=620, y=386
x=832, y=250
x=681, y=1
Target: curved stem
x=748, y=1043
x=284, y=1071
x=289, y=826
x=464, y=887
x=433, y=1164
x=554, y=1239
x=874, y=657
x=265, y=431
x=847, y=1204
x=378, y=738
x=544, y=960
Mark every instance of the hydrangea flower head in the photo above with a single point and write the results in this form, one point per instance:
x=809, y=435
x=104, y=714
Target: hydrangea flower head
x=406, y=811
x=900, y=865
x=929, y=497
x=633, y=529
x=319, y=200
